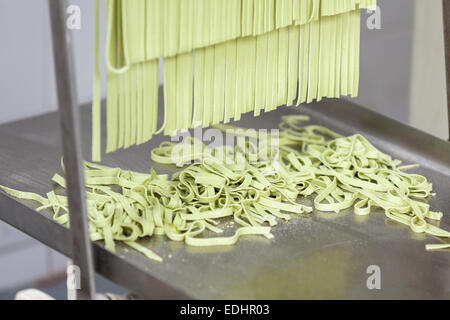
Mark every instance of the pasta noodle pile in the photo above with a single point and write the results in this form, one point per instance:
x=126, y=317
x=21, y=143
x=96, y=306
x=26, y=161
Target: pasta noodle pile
x=181, y=208
x=253, y=185
x=340, y=172
x=347, y=172
x=221, y=59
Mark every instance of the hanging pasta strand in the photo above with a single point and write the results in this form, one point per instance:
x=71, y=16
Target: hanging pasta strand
x=283, y=66
x=170, y=98
x=240, y=78
x=258, y=17
x=133, y=102
x=184, y=95
x=338, y=57
x=96, y=103
x=219, y=83
x=261, y=73
x=303, y=63
x=209, y=86
x=112, y=112
x=186, y=37
x=293, y=61
x=356, y=18
x=230, y=80
x=121, y=113
x=314, y=61
x=139, y=104
x=324, y=57
x=272, y=71
x=251, y=73
x=345, y=54
x=150, y=99
x=247, y=17
x=199, y=88
x=112, y=85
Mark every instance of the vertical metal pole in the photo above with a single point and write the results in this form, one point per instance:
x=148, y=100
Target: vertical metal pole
x=68, y=112
x=446, y=11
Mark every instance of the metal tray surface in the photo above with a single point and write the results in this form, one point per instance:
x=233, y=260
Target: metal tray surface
x=325, y=256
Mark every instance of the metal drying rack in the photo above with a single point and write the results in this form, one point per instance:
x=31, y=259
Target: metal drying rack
x=153, y=281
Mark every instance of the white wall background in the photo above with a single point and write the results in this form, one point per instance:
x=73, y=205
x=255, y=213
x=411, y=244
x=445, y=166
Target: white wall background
x=386, y=60
x=27, y=88
x=27, y=75
x=428, y=96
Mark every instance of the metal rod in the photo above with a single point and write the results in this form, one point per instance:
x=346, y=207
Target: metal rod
x=446, y=12
x=69, y=113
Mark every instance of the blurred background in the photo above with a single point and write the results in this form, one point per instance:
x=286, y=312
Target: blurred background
x=402, y=77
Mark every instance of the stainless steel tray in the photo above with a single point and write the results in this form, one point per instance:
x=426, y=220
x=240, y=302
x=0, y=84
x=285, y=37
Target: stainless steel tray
x=322, y=257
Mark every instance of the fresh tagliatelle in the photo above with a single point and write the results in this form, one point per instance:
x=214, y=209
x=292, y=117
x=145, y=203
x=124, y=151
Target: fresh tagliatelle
x=252, y=184
x=340, y=172
x=220, y=59
x=181, y=208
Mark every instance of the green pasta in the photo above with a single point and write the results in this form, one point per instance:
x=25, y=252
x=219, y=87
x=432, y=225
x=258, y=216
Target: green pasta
x=181, y=208
x=214, y=21
x=96, y=106
x=221, y=59
x=253, y=186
